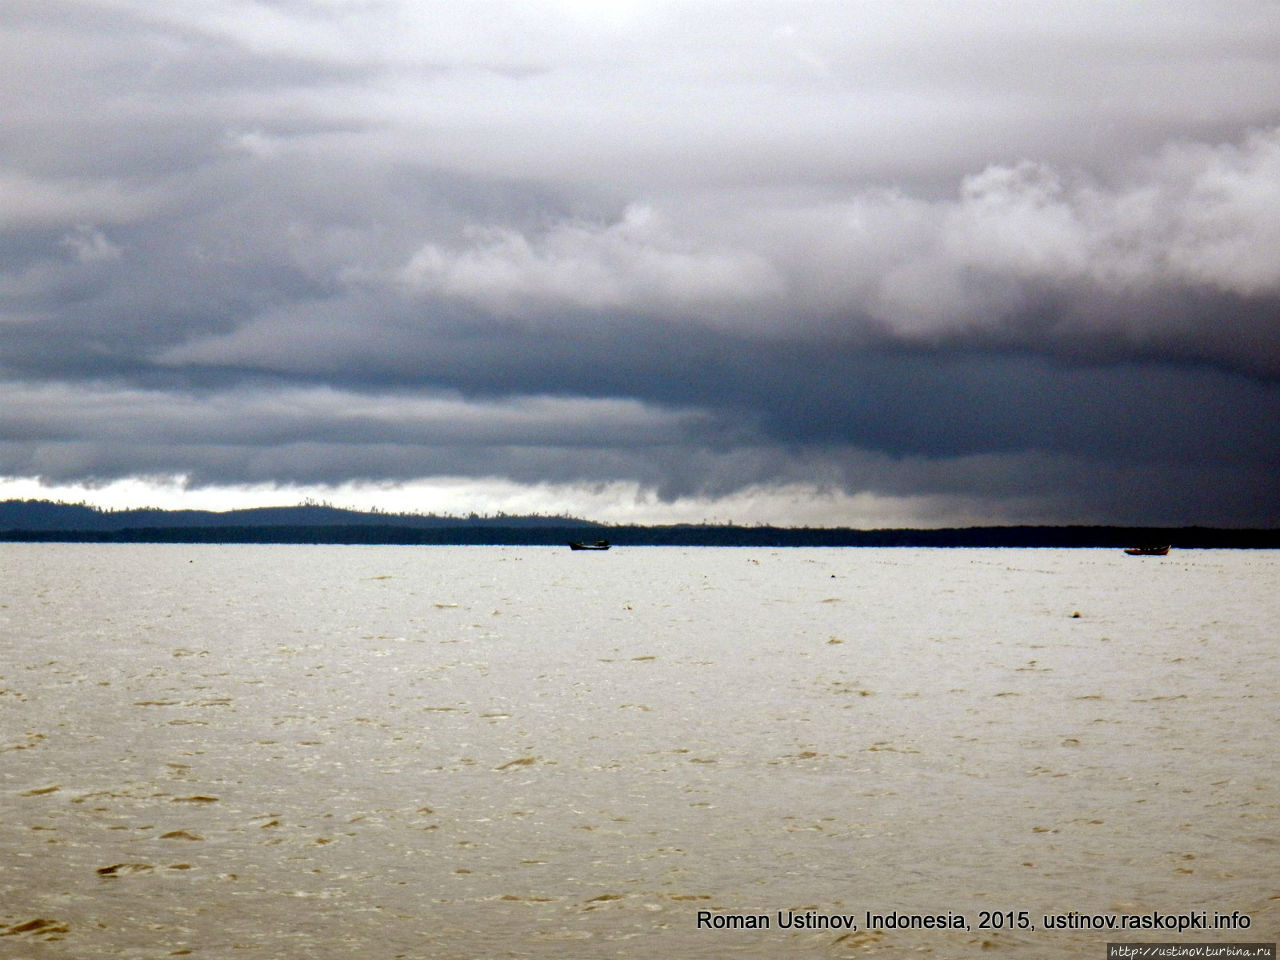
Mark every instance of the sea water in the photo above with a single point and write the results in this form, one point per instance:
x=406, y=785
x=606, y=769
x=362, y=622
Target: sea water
x=467, y=752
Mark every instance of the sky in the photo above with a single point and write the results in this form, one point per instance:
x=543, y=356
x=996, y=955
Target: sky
x=857, y=263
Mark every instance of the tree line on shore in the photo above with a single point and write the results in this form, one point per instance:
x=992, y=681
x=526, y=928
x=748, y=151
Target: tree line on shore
x=45, y=521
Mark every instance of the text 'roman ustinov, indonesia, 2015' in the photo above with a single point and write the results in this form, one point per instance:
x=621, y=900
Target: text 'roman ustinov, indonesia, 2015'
x=986, y=920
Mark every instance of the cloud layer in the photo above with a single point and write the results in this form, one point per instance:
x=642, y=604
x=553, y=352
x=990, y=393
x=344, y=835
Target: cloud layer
x=961, y=261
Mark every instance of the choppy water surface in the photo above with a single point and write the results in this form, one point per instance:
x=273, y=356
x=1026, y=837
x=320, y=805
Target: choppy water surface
x=332, y=752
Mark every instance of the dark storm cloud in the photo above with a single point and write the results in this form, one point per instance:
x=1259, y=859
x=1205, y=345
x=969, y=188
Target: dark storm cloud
x=1024, y=265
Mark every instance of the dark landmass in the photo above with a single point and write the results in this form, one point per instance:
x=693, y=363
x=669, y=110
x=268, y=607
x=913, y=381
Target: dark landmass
x=44, y=521
x=46, y=515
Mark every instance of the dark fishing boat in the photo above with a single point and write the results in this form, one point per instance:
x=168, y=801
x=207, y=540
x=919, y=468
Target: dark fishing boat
x=598, y=545
x=1148, y=551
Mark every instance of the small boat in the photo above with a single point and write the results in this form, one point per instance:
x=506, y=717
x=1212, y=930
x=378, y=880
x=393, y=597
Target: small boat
x=598, y=545
x=1148, y=551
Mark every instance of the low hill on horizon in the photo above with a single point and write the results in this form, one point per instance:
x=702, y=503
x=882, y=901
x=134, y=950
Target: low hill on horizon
x=33, y=515
x=46, y=521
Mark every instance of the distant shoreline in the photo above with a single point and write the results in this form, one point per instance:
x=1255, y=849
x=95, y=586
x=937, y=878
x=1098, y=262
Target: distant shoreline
x=678, y=536
x=43, y=521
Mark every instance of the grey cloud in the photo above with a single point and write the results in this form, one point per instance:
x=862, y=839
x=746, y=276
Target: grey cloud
x=1015, y=265
x=1018, y=252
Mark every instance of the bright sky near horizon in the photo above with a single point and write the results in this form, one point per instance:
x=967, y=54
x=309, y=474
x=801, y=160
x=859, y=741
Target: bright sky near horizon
x=782, y=261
